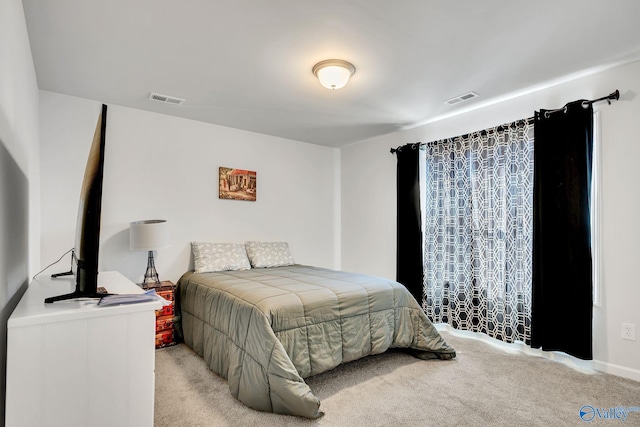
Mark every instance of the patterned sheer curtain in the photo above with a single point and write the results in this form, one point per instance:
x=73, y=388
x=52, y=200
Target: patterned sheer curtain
x=477, y=197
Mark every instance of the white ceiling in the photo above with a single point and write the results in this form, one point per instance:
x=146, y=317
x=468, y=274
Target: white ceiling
x=247, y=63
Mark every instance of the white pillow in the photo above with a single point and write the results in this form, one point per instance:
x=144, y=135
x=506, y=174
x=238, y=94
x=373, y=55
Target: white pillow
x=269, y=254
x=208, y=257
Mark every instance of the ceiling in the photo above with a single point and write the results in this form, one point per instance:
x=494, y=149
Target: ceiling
x=247, y=63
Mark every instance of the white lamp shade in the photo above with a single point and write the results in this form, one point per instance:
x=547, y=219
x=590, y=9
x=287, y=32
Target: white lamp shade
x=149, y=235
x=333, y=73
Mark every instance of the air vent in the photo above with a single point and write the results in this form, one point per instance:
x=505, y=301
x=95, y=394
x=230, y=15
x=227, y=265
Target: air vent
x=467, y=96
x=165, y=98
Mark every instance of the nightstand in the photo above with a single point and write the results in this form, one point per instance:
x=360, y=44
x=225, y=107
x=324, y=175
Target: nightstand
x=164, y=317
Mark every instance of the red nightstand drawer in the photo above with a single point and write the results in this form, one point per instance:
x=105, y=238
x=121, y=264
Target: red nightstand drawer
x=165, y=338
x=164, y=322
x=167, y=310
x=166, y=294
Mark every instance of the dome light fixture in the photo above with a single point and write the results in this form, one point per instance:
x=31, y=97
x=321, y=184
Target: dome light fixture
x=333, y=73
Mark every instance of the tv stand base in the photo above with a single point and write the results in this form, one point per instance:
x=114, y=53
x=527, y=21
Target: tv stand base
x=74, y=295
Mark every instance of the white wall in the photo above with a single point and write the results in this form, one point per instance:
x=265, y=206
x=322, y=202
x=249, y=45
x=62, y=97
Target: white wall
x=19, y=108
x=368, y=198
x=19, y=188
x=163, y=167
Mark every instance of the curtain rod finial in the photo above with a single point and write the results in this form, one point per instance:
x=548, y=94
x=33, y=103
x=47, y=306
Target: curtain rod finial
x=616, y=95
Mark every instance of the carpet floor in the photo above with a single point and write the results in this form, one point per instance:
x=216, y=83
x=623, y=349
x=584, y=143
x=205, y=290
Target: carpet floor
x=483, y=386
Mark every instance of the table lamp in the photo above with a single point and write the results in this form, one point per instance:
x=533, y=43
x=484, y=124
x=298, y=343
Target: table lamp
x=149, y=235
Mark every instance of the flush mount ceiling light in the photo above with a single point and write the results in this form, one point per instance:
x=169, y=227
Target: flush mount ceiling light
x=333, y=73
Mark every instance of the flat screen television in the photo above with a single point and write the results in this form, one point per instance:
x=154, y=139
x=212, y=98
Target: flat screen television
x=87, y=243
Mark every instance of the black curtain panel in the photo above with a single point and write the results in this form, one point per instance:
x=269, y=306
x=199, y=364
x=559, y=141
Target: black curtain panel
x=562, y=306
x=409, y=225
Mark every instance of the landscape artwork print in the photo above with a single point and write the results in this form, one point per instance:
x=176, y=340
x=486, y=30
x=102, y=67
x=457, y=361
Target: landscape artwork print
x=237, y=184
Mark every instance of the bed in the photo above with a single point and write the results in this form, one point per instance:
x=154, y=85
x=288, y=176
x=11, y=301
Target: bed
x=266, y=329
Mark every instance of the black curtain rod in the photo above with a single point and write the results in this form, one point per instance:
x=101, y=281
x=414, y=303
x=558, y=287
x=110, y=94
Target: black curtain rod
x=613, y=96
x=414, y=145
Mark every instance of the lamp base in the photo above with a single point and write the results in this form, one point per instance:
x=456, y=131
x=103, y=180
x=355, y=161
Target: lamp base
x=151, y=279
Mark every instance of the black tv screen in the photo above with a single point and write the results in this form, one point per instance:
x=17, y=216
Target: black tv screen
x=87, y=243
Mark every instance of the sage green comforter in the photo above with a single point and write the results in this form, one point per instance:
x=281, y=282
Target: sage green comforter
x=264, y=330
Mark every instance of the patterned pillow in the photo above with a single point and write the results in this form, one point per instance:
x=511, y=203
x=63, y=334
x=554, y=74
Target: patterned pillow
x=208, y=257
x=269, y=254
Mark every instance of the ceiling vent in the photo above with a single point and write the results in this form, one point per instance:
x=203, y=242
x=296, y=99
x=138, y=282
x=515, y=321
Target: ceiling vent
x=467, y=96
x=165, y=98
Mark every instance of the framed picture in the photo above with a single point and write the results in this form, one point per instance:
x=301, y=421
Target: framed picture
x=237, y=184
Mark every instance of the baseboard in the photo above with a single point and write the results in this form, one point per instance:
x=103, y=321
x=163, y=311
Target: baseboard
x=618, y=370
x=586, y=366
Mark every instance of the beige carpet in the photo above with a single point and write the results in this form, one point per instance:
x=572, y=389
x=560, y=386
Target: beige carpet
x=483, y=386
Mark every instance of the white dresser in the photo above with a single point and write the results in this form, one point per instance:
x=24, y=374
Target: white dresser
x=72, y=363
